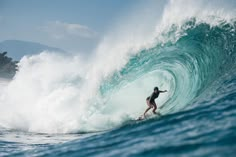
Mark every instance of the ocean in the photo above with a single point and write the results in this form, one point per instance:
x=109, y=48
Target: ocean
x=63, y=106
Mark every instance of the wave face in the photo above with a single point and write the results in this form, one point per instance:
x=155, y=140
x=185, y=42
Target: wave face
x=191, y=57
x=187, y=68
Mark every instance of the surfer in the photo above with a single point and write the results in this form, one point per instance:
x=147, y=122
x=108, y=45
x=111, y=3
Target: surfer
x=151, y=101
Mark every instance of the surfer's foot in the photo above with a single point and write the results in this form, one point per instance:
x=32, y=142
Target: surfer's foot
x=157, y=113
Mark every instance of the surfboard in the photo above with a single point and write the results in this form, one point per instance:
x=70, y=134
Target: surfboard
x=140, y=118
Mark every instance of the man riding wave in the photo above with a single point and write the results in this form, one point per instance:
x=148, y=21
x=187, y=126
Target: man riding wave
x=151, y=101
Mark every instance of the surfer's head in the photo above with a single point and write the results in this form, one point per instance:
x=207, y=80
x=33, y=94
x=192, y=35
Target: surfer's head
x=156, y=89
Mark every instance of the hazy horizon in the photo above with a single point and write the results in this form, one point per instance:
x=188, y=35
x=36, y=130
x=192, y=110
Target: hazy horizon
x=75, y=26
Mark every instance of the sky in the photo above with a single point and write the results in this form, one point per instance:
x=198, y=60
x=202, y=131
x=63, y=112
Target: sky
x=72, y=25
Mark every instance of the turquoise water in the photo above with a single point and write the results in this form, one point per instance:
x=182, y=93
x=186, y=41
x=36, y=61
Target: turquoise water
x=197, y=68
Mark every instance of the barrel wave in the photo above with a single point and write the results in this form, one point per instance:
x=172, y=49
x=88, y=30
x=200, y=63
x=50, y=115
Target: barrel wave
x=189, y=68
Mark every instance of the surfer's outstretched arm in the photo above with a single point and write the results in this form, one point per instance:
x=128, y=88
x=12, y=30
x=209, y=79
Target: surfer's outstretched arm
x=162, y=91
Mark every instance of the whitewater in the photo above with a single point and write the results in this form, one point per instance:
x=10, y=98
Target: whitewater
x=58, y=105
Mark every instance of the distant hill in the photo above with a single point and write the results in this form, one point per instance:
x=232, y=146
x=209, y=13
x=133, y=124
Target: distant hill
x=17, y=49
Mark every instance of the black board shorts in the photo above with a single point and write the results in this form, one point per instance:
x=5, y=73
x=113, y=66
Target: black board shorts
x=151, y=101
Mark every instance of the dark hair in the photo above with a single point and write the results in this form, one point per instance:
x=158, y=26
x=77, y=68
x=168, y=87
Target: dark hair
x=156, y=88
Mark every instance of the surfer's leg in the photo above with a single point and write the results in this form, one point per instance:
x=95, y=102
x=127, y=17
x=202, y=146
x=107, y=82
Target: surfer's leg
x=149, y=107
x=154, y=110
x=146, y=111
x=155, y=107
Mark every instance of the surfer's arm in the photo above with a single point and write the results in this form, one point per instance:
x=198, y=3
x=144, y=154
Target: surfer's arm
x=162, y=91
